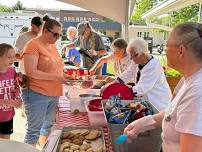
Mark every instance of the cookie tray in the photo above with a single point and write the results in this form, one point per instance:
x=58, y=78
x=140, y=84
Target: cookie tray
x=96, y=144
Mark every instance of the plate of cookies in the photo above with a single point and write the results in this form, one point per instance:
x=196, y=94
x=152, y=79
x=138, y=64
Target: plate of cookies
x=81, y=139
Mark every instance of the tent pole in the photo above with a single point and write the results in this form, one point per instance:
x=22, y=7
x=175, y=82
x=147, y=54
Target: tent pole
x=126, y=25
x=200, y=13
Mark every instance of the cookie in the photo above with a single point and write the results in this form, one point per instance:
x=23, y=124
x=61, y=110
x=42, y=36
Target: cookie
x=68, y=135
x=67, y=140
x=76, y=131
x=99, y=134
x=84, y=132
x=92, y=135
x=78, y=141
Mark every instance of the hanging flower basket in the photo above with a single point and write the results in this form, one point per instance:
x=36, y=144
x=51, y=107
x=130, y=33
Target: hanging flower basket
x=172, y=81
x=172, y=77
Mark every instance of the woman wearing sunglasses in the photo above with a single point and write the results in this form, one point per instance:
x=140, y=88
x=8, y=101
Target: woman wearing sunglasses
x=44, y=68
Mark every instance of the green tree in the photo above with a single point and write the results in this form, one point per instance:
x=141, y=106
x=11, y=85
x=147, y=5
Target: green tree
x=4, y=9
x=141, y=7
x=18, y=6
x=187, y=14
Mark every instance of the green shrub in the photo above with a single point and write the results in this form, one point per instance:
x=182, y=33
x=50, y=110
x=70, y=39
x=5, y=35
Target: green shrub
x=172, y=73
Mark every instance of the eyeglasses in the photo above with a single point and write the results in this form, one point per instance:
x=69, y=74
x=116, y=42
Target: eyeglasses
x=174, y=45
x=55, y=35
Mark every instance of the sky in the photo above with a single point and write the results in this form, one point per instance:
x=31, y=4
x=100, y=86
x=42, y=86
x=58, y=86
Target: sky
x=40, y=4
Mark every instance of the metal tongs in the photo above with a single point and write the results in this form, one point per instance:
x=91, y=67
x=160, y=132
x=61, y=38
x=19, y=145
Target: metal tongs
x=86, y=54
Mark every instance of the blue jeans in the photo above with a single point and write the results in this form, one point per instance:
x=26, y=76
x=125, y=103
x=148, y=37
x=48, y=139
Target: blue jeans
x=40, y=111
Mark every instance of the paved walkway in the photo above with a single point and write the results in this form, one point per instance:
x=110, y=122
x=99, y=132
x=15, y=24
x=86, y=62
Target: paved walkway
x=19, y=126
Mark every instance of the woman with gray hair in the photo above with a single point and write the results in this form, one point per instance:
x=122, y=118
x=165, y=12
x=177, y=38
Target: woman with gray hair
x=148, y=75
x=182, y=120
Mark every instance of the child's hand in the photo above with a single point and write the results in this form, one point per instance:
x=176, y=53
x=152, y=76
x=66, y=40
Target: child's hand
x=92, y=71
x=15, y=103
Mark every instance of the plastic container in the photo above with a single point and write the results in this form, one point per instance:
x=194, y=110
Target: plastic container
x=95, y=105
x=96, y=118
x=79, y=104
x=87, y=97
x=148, y=141
x=76, y=104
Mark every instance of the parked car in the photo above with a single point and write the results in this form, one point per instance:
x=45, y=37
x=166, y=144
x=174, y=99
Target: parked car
x=161, y=48
x=106, y=41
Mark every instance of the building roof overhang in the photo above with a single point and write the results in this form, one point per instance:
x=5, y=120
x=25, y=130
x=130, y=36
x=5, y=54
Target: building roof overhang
x=168, y=6
x=117, y=10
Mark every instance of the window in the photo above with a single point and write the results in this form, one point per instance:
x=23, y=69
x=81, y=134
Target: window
x=65, y=18
x=57, y=18
x=69, y=19
x=145, y=34
x=139, y=34
x=72, y=19
x=116, y=35
x=77, y=19
x=165, y=35
x=81, y=19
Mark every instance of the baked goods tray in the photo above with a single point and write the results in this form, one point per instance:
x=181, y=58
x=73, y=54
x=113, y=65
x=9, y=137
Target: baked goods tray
x=81, y=139
x=84, y=84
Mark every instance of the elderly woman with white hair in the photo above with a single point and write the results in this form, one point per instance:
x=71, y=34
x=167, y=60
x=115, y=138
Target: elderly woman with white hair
x=148, y=75
x=72, y=55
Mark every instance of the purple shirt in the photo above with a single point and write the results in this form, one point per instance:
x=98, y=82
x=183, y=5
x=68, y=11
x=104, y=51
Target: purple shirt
x=6, y=87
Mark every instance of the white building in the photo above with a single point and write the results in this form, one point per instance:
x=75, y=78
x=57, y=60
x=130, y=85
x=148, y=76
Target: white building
x=159, y=35
x=11, y=23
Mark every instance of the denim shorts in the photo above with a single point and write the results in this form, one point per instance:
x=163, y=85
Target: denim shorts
x=40, y=110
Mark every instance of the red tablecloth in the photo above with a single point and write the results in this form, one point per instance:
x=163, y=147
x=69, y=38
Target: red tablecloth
x=66, y=119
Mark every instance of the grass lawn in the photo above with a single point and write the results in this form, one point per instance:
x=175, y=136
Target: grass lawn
x=110, y=68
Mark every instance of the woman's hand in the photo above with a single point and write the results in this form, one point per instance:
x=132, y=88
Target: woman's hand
x=138, y=126
x=64, y=78
x=92, y=71
x=93, y=52
x=63, y=50
x=133, y=130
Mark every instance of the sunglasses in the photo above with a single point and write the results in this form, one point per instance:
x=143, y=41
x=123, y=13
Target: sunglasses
x=55, y=35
